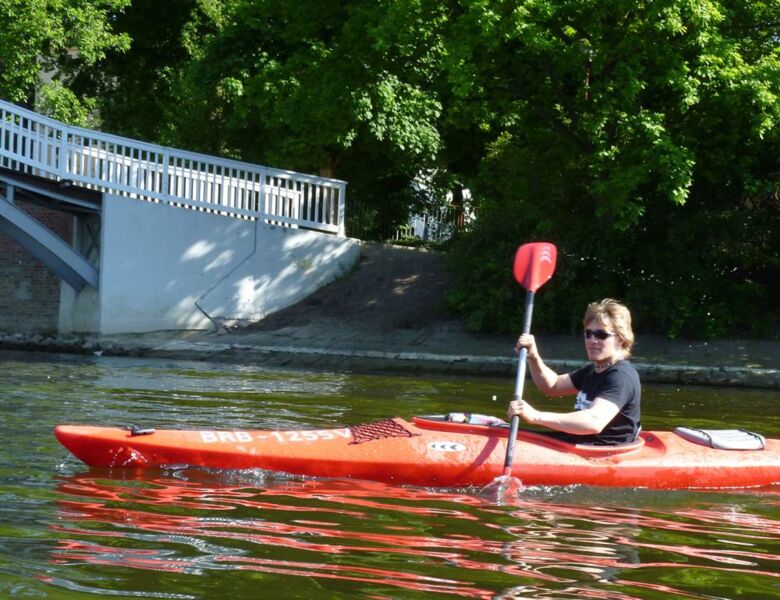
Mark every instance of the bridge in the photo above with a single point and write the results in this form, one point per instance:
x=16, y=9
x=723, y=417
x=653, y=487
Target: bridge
x=163, y=238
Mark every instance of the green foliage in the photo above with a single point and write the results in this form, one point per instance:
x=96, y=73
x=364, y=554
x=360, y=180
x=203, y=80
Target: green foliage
x=341, y=89
x=59, y=37
x=61, y=103
x=139, y=87
x=640, y=137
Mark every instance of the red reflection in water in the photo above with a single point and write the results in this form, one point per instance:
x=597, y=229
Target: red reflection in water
x=123, y=507
x=748, y=526
x=555, y=545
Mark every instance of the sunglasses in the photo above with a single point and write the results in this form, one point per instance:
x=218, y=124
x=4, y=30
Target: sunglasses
x=599, y=334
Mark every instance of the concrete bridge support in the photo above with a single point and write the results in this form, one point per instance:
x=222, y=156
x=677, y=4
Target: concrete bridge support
x=156, y=238
x=128, y=266
x=164, y=268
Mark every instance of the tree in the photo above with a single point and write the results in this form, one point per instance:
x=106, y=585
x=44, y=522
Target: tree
x=636, y=135
x=139, y=88
x=59, y=38
x=341, y=89
x=640, y=136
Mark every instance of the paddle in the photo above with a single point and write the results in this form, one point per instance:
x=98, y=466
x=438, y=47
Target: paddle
x=534, y=266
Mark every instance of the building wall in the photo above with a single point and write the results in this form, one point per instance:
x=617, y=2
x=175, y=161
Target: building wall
x=29, y=292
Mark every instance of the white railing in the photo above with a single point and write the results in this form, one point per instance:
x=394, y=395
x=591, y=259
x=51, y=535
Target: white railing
x=38, y=145
x=437, y=224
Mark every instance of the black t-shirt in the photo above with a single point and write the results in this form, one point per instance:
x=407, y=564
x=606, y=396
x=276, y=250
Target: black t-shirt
x=620, y=385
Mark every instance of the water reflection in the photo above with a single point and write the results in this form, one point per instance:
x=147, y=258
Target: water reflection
x=370, y=536
x=178, y=526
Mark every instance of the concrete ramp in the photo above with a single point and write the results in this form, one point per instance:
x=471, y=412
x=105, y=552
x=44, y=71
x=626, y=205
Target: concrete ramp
x=174, y=269
x=47, y=247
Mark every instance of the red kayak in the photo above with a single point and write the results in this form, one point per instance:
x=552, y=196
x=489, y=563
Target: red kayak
x=435, y=451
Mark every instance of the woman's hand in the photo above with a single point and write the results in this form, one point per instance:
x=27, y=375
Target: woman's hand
x=527, y=341
x=524, y=410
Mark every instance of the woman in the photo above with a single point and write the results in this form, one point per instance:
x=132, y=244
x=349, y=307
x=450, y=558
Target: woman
x=607, y=406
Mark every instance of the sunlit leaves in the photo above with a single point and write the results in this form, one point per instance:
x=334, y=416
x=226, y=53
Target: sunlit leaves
x=56, y=37
x=663, y=116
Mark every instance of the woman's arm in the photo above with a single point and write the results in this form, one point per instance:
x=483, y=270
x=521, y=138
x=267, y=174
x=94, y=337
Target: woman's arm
x=591, y=420
x=547, y=380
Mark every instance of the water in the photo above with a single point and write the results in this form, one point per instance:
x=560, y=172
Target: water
x=70, y=532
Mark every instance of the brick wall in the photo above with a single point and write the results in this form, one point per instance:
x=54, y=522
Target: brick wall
x=29, y=292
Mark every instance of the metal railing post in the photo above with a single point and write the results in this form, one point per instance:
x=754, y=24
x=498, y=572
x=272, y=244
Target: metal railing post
x=342, y=210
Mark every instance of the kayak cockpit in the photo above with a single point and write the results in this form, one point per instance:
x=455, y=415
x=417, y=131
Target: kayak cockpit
x=443, y=423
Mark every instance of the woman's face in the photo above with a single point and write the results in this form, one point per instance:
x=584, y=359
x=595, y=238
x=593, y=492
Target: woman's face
x=602, y=350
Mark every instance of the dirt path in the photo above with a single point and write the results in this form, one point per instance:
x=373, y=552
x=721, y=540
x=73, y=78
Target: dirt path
x=392, y=288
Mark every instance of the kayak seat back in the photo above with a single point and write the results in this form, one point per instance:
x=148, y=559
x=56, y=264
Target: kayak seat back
x=723, y=439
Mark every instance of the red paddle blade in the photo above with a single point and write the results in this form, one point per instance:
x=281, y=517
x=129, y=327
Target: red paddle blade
x=535, y=264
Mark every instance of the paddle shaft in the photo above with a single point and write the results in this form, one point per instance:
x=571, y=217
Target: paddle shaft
x=519, y=383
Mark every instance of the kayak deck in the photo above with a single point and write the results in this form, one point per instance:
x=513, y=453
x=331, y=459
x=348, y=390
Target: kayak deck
x=430, y=452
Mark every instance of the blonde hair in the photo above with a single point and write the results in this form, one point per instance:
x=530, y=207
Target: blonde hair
x=616, y=316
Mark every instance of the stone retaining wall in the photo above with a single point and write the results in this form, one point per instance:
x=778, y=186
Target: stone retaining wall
x=369, y=361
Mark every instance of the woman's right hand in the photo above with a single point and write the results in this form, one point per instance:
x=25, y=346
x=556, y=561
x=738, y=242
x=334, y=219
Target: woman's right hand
x=527, y=341
x=524, y=410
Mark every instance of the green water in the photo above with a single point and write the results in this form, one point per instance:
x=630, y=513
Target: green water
x=70, y=532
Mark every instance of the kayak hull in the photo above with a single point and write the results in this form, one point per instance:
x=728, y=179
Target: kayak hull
x=427, y=452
